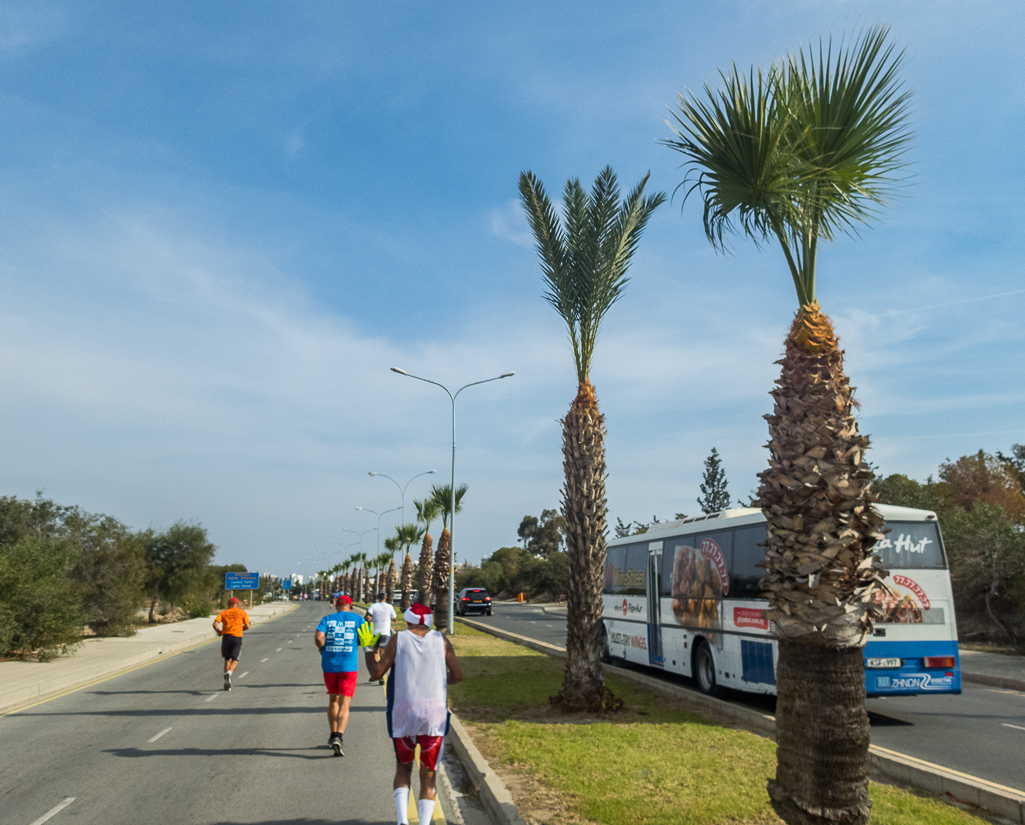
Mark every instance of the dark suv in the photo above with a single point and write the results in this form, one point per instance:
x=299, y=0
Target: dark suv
x=473, y=598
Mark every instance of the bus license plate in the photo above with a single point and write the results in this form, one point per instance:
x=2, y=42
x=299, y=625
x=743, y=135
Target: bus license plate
x=883, y=663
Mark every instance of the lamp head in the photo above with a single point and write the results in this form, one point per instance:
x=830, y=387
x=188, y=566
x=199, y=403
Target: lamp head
x=400, y=372
x=506, y=374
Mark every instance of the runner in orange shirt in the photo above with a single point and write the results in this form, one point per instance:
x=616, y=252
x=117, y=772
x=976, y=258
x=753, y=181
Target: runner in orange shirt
x=232, y=622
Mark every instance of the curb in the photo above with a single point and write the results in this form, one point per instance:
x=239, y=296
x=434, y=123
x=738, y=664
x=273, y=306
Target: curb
x=993, y=681
x=897, y=767
x=498, y=802
x=11, y=701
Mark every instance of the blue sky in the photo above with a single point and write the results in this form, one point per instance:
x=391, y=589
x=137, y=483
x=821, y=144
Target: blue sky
x=221, y=223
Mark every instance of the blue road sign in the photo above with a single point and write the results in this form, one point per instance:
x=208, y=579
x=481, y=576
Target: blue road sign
x=286, y=584
x=241, y=581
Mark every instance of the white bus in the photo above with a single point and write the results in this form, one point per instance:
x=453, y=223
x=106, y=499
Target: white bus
x=684, y=597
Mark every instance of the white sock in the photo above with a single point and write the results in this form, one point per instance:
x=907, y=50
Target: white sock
x=402, y=805
x=425, y=810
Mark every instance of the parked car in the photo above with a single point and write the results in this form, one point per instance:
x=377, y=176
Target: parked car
x=473, y=599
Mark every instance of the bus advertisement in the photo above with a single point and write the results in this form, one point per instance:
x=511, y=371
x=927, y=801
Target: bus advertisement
x=684, y=597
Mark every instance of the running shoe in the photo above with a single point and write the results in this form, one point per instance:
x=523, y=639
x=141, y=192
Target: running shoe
x=336, y=744
x=227, y=681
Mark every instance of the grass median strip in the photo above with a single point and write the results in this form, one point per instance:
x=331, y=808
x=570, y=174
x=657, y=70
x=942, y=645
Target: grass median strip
x=658, y=761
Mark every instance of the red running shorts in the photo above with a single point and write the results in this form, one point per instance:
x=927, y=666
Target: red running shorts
x=343, y=683
x=431, y=750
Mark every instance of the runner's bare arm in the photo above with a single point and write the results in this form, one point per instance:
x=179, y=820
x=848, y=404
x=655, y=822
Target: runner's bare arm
x=378, y=669
x=455, y=673
x=217, y=630
x=318, y=640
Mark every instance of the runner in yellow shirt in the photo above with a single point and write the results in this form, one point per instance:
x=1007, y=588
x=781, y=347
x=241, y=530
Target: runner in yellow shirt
x=232, y=622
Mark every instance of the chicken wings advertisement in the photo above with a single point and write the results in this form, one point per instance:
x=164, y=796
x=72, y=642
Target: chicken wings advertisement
x=700, y=580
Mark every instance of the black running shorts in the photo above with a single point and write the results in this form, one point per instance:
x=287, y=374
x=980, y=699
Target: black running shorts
x=231, y=646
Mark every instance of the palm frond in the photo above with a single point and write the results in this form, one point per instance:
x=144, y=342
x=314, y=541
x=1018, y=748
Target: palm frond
x=584, y=259
x=804, y=150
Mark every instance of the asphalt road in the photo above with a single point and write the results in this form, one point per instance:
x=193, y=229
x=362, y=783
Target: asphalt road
x=981, y=732
x=166, y=744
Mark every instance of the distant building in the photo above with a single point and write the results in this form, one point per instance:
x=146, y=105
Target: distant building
x=298, y=579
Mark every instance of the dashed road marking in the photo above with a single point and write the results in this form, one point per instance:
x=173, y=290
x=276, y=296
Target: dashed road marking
x=153, y=739
x=1016, y=727
x=262, y=661
x=242, y=675
x=278, y=650
x=53, y=811
x=212, y=697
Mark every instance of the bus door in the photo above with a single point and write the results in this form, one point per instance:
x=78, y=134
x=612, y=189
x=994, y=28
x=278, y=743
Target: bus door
x=653, y=589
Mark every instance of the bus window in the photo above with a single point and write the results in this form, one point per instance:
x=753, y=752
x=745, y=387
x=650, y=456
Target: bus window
x=748, y=551
x=615, y=566
x=910, y=545
x=636, y=566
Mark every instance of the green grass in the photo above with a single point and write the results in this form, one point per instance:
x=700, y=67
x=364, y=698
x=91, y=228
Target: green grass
x=655, y=762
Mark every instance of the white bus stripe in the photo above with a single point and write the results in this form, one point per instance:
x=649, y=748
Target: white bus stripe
x=67, y=801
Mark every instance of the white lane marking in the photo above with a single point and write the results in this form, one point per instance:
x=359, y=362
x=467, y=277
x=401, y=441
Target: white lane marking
x=262, y=661
x=153, y=739
x=212, y=697
x=278, y=650
x=242, y=675
x=67, y=801
x=1016, y=727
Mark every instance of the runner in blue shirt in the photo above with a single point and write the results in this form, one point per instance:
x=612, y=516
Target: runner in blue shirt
x=335, y=638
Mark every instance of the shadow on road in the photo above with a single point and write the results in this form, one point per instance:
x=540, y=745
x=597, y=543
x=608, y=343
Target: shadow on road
x=322, y=752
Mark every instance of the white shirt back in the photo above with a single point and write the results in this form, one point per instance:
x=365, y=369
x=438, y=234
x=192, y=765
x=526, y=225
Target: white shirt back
x=381, y=614
x=419, y=703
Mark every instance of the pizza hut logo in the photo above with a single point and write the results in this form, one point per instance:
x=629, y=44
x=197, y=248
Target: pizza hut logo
x=750, y=617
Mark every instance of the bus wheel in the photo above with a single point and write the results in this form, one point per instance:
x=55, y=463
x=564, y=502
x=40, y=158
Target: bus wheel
x=704, y=670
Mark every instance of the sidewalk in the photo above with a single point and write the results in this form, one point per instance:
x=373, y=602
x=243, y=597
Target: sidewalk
x=993, y=669
x=25, y=682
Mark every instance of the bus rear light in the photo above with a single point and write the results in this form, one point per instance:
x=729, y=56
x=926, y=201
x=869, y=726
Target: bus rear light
x=938, y=661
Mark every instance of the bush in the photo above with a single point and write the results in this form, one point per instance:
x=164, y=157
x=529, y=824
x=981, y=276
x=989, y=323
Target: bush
x=41, y=602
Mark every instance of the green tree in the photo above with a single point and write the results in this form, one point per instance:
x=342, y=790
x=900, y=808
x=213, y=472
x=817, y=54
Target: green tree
x=543, y=536
x=584, y=260
x=799, y=153
x=178, y=559
x=714, y=495
x=1016, y=461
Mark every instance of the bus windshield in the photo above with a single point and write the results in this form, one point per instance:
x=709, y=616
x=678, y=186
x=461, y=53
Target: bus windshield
x=910, y=545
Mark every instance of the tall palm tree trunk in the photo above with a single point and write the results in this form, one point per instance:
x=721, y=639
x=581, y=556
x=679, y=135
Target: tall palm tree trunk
x=407, y=582
x=425, y=571
x=585, y=508
x=390, y=578
x=442, y=562
x=820, y=581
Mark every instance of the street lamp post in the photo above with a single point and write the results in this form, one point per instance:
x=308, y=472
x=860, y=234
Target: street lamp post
x=402, y=490
x=452, y=525
x=385, y=512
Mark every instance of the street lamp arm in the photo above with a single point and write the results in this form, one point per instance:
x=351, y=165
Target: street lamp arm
x=485, y=381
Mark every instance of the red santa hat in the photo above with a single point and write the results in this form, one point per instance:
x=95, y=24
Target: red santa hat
x=418, y=614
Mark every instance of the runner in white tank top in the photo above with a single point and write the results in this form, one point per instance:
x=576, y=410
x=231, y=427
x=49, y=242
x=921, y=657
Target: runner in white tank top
x=423, y=664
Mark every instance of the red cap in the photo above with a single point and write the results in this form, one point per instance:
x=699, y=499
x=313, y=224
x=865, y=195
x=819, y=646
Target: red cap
x=343, y=599
x=232, y=601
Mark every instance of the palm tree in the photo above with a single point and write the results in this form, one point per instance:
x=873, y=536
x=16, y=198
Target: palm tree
x=390, y=577
x=381, y=563
x=426, y=511
x=442, y=495
x=584, y=260
x=799, y=153
x=407, y=582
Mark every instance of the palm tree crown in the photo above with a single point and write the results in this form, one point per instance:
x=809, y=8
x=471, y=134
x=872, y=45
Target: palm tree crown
x=584, y=259
x=442, y=496
x=800, y=152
